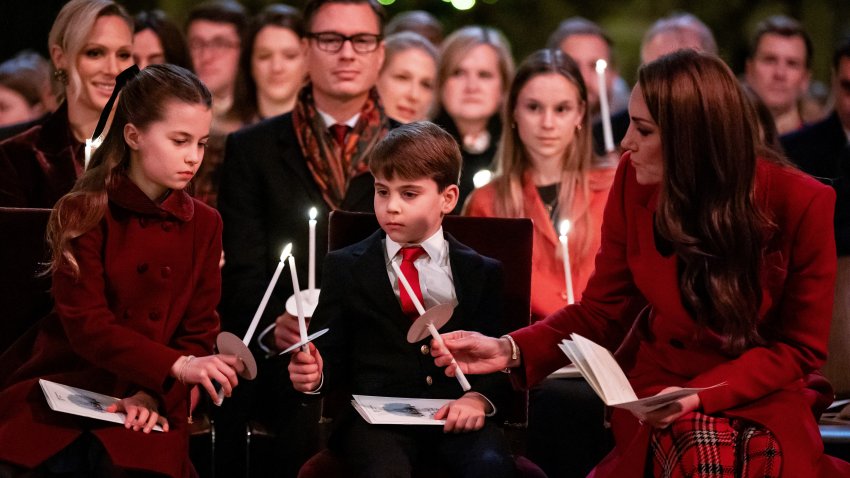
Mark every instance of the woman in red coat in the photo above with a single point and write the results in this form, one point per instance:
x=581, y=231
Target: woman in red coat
x=734, y=256
x=136, y=283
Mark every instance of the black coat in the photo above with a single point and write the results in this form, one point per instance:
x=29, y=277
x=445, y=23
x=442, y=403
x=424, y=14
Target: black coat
x=265, y=194
x=817, y=148
x=366, y=351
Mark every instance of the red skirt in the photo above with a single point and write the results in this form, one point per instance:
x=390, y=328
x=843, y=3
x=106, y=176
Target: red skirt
x=702, y=446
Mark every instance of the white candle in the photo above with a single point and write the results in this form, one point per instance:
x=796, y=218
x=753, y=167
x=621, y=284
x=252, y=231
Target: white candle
x=311, y=271
x=568, y=276
x=601, y=65
x=91, y=146
x=256, y=320
x=461, y=378
x=302, y=325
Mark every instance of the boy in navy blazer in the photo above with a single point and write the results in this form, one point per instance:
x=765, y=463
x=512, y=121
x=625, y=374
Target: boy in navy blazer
x=416, y=168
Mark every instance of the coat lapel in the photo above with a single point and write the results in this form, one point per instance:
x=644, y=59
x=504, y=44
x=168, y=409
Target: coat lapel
x=370, y=275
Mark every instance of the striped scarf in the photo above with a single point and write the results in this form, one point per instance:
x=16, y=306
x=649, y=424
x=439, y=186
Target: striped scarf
x=334, y=167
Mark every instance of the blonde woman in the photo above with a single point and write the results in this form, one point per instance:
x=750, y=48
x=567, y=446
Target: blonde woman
x=474, y=72
x=90, y=43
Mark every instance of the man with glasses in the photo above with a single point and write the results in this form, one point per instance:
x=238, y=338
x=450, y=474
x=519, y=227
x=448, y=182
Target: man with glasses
x=214, y=35
x=276, y=170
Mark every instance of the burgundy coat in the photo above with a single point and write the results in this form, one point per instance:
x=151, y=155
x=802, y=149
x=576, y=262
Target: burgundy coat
x=40, y=165
x=148, y=288
x=765, y=384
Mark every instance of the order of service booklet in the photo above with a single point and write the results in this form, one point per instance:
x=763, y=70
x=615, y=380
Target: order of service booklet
x=397, y=410
x=85, y=403
x=604, y=374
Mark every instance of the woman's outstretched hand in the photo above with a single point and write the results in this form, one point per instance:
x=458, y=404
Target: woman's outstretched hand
x=475, y=353
x=142, y=412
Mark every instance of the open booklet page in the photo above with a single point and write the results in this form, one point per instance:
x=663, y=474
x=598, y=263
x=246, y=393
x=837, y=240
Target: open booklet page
x=85, y=403
x=603, y=373
x=397, y=410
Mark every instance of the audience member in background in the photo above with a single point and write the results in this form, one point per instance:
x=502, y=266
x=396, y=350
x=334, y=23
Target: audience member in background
x=546, y=171
x=823, y=148
x=120, y=327
x=271, y=71
x=586, y=42
x=416, y=21
x=675, y=32
x=473, y=76
x=779, y=68
x=816, y=148
x=158, y=40
x=408, y=81
x=214, y=33
x=733, y=256
x=90, y=43
x=276, y=170
x=26, y=92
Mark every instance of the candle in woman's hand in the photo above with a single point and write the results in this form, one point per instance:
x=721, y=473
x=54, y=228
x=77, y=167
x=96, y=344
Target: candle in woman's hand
x=311, y=267
x=565, y=250
x=604, y=112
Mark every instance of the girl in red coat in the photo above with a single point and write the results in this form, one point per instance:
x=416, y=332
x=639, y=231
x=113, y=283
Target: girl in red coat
x=136, y=283
x=734, y=256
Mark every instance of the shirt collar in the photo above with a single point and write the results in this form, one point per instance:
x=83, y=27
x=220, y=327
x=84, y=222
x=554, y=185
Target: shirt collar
x=435, y=246
x=330, y=121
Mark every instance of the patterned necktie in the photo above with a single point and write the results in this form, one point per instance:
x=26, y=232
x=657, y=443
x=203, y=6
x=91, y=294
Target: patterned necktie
x=339, y=131
x=408, y=256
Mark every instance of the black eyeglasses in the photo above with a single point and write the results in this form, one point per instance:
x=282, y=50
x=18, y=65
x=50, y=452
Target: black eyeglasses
x=332, y=42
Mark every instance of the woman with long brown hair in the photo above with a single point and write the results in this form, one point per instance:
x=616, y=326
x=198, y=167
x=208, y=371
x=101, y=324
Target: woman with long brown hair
x=734, y=259
x=546, y=170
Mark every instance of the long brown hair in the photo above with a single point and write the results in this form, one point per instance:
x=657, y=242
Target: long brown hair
x=707, y=206
x=142, y=102
x=513, y=162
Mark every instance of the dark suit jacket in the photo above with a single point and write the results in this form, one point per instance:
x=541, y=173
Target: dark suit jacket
x=266, y=192
x=817, y=148
x=366, y=350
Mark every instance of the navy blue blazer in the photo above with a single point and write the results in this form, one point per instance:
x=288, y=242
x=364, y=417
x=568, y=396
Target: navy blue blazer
x=366, y=350
x=265, y=194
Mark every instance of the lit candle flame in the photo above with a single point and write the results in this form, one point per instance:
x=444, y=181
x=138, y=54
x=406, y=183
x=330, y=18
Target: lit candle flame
x=481, y=178
x=286, y=252
x=601, y=65
x=313, y=213
x=565, y=227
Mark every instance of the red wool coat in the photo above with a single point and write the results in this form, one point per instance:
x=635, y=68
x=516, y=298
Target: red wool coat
x=547, y=266
x=148, y=288
x=764, y=384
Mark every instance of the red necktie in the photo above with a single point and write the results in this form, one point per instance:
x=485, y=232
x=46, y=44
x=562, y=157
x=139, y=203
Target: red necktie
x=339, y=131
x=408, y=255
